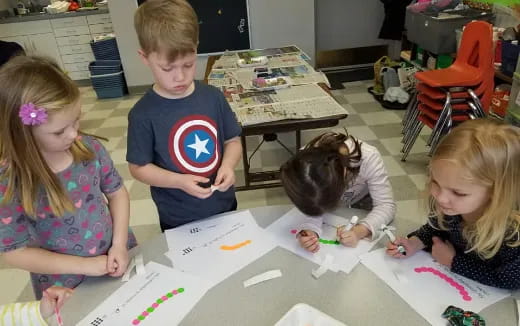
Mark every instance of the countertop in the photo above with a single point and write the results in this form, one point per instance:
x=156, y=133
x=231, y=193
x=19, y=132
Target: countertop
x=42, y=16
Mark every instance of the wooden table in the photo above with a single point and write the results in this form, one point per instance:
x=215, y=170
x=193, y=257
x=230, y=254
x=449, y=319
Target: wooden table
x=269, y=130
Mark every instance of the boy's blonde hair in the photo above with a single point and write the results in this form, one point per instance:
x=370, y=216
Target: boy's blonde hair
x=489, y=152
x=39, y=81
x=167, y=26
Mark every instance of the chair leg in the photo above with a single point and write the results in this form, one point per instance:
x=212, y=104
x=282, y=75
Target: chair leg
x=444, y=128
x=412, y=118
x=474, y=111
x=476, y=100
x=411, y=128
x=408, y=146
x=442, y=116
x=409, y=134
x=410, y=107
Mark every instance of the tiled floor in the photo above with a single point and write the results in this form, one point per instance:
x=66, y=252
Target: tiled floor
x=367, y=120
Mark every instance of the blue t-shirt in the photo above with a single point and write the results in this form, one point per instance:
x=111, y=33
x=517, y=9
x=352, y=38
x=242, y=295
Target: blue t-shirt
x=183, y=135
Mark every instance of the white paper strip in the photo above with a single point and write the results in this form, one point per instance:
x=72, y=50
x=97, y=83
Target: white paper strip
x=139, y=264
x=316, y=273
x=126, y=275
x=269, y=275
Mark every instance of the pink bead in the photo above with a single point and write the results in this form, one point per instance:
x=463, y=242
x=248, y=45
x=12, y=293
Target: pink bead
x=155, y=305
x=294, y=231
x=136, y=322
x=466, y=298
x=164, y=298
x=145, y=313
x=175, y=292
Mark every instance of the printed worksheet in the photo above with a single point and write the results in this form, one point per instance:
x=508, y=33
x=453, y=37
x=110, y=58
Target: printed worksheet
x=160, y=297
x=216, y=248
x=284, y=232
x=429, y=287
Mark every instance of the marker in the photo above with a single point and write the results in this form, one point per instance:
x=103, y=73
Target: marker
x=391, y=236
x=352, y=223
x=57, y=313
x=349, y=226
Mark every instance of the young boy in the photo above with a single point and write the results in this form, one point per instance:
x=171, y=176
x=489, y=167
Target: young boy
x=183, y=138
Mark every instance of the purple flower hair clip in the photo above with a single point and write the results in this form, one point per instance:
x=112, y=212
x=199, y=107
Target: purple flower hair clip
x=32, y=115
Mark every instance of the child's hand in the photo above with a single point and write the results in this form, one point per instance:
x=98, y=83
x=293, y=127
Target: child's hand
x=411, y=245
x=443, y=252
x=190, y=184
x=117, y=261
x=309, y=240
x=96, y=266
x=53, y=297
x=347, y=238
x=225, y=178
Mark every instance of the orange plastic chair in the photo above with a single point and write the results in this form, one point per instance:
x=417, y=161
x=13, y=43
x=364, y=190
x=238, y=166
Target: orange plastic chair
x=477, y=37
x=485, y=100
x=440, y=94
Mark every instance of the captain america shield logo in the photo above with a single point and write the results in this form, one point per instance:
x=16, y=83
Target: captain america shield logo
x=194, y=146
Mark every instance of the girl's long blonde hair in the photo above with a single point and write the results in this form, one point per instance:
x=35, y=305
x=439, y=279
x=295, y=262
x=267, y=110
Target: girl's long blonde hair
x=489, y=151
x=37, y=80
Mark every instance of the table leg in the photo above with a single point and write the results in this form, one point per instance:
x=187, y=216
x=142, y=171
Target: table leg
x=245, y=161
x=298, y=140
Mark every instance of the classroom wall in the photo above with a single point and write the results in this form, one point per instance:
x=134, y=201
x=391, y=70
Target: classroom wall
x=273, y=23
x=5, y=4
x=342, y=24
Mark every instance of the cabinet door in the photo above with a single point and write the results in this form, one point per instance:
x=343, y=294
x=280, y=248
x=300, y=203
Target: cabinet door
x=45, y=45
x=23, y=41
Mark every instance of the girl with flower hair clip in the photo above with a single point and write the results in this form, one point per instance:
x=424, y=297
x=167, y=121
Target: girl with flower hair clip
x=64, y=210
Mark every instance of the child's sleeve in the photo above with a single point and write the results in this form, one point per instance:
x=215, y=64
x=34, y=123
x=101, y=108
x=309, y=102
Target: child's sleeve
x=506, y=275
x=380, y=190
x=426, y=232
x=231, y=127
x=311, y=223
x=140, y=140
x=20, y=314
x=14, y=227
x=110, y=179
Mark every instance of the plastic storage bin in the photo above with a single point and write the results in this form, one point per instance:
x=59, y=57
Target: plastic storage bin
x=105, y=49
x=108, y=79
x=438, y=35
x=510, y=53
x=102, y=67
x=302, y=314
x=514, y=99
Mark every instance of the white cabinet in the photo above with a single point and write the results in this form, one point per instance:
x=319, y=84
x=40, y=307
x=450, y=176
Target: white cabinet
x=45, y=44
x=75, y=30
x=69, y=22
x=99, y=19
x=38, y=44
x=66, y=40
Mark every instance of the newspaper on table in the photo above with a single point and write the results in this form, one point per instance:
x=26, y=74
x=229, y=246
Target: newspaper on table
x=297, y=102
x=303, y=100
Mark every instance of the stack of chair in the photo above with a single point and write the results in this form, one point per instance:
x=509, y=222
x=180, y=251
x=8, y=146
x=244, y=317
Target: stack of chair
x=446, y=97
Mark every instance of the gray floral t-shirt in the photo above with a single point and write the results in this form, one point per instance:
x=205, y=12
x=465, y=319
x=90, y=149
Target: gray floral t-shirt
x=85, y=232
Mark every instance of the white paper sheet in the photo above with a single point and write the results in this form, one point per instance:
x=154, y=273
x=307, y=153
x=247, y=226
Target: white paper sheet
x=161, y=297
x=215, y=249
x=345, y=258
x=430, y=287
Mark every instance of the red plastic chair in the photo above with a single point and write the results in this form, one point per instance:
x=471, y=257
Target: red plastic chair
x=477, y=37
